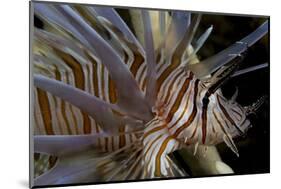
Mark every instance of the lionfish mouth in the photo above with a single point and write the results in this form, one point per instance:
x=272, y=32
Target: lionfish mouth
x=109, y=107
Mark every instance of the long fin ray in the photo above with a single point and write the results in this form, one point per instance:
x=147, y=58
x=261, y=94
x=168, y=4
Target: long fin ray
x=177, y=28
x=151, y=93
x=116, y=20
x=98, y=109
x=198, y=44
x=117, y=69
x=208, y=66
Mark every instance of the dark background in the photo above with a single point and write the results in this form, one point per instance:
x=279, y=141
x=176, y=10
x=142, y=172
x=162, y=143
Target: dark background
x=253, y=148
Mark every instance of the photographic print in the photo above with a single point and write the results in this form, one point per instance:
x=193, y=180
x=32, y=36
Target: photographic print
x=123, y=94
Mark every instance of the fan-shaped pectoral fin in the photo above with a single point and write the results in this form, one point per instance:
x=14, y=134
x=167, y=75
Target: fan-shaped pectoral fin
x=132, y=103
x=79, y=168
x=64, y=144
x=98, y=109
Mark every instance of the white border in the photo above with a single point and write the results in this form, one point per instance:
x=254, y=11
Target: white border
x=14, y=82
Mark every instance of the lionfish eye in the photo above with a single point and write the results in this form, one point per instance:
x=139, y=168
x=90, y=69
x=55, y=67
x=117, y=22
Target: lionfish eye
x=205, y=101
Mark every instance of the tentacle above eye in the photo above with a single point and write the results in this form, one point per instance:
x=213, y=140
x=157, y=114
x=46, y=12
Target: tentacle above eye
x=255, y=106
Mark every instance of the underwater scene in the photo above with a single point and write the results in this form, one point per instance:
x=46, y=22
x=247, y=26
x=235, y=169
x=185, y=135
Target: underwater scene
x=129, y=94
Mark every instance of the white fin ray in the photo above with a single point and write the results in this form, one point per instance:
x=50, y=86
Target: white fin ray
x=208, y=66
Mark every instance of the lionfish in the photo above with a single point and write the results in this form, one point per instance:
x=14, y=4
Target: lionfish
x=108, y=107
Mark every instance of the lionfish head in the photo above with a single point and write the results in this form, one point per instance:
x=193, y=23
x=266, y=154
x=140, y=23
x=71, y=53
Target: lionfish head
x=224, y=112
x=220, y=119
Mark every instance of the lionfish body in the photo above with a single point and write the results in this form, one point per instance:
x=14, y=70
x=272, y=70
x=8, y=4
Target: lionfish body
x=108, y=108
